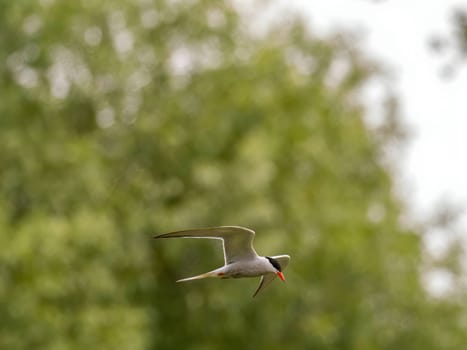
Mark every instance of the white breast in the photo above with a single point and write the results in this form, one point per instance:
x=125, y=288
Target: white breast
x=249, y=268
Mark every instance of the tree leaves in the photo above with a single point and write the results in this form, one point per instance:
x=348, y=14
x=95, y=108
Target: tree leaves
x=129, y=119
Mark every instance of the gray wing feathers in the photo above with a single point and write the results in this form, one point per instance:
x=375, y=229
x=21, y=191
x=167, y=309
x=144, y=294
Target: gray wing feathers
x=237, y=241
x=265, y=281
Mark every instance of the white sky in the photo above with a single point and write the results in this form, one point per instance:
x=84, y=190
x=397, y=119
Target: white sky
x=397, y=32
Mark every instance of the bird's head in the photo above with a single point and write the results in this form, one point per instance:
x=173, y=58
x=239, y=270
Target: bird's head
x=277, y=267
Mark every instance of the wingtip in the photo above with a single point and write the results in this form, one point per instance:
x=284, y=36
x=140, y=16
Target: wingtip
x=255, y=293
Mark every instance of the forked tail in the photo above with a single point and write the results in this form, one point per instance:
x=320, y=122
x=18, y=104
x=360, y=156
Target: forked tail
x=214, y=273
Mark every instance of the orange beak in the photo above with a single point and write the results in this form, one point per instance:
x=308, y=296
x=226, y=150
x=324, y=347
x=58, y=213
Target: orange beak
x=281, y=275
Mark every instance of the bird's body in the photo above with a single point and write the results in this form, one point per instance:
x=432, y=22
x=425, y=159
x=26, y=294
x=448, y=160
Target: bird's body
x=246, y=268
x=241, y=260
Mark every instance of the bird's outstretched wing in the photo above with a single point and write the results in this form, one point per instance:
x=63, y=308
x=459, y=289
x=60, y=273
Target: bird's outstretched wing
x=237, y=241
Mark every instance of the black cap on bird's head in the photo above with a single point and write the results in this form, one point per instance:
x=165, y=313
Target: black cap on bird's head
x=277, y=266
x=274, y=263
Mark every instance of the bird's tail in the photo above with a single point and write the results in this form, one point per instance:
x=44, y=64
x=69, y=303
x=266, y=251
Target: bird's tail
x=214, y=273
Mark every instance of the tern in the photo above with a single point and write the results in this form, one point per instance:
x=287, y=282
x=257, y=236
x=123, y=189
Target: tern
x=241, y=259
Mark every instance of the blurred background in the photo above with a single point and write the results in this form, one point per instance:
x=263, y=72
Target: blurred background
x=124, y=119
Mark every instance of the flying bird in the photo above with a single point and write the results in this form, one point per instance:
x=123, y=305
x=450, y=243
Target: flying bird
x=241, y=259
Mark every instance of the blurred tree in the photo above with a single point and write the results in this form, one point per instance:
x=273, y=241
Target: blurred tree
x=120, y=120
x=453, y=45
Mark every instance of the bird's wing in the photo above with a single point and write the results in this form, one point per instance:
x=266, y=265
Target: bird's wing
x=237, y=241
x=283, y=260
x=265, y=281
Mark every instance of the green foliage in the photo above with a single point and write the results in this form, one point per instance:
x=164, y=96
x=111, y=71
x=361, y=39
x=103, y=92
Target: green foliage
x=121, y=120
